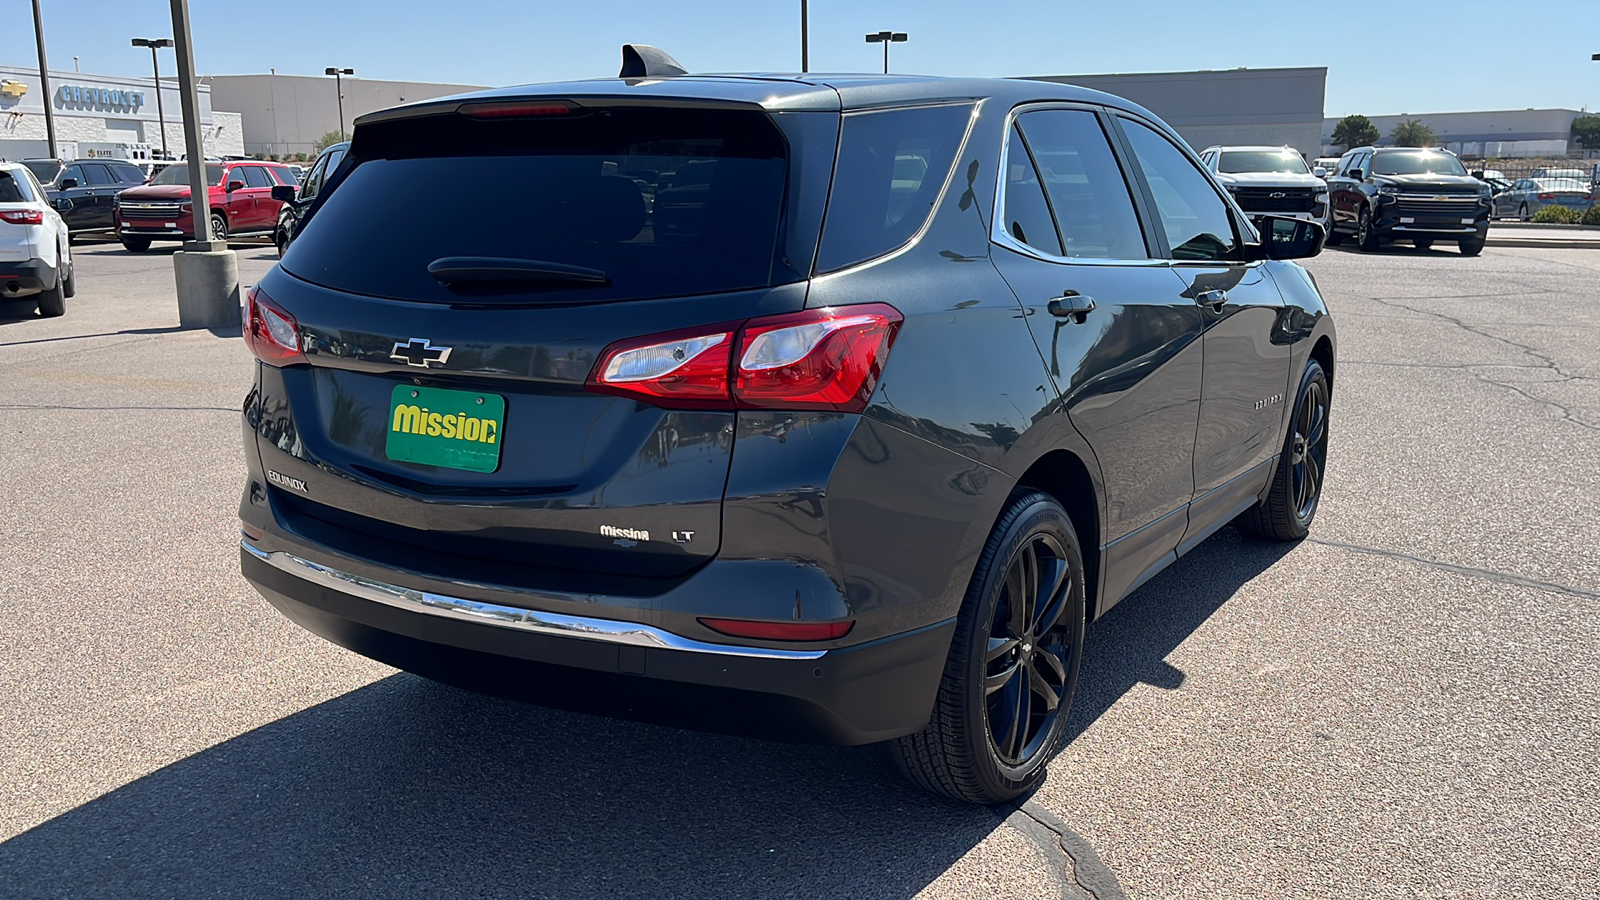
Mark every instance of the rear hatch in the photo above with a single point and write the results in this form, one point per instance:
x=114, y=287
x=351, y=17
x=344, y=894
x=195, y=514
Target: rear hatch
x=452, y=287
x=18, y=214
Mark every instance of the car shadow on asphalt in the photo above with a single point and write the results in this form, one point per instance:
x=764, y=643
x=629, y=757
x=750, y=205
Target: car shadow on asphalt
x=229, y=331
x=1129, y=645
x=410, y=788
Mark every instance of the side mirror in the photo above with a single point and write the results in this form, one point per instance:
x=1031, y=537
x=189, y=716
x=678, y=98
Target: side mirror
x=62, y=203
x=235, y=185
x=1357, y=174
x=68, y=184
x=1320, y=172
x=284, y=193
x=1285, y=237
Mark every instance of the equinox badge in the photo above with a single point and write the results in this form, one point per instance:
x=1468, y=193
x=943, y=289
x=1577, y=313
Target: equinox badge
x=420, y=352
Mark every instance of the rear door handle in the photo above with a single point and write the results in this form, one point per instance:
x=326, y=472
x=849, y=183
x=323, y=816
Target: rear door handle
x=1072, y=303
x=1213, y=299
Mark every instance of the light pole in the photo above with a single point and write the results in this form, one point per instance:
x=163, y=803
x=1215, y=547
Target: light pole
x=805, y=38
x=886, y=38
x=155, y=66
x=44, y=81
x=338, y=81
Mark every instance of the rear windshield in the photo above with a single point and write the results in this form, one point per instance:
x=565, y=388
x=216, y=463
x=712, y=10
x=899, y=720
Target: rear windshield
x=892, y=165
x=45, y=170
x=14, y=187
x=1416, y=162
x=179, y=174
x=660, y=202
x=1239, y=162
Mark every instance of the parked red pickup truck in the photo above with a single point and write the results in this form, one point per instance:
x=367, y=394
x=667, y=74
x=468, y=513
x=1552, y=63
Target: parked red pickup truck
x=241, y=203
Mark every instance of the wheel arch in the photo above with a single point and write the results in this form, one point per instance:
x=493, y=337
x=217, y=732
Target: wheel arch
x=1066, y=477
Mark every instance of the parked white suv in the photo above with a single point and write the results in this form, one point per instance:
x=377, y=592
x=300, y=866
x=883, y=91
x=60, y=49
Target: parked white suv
x=1269, y=181
x=35, y=259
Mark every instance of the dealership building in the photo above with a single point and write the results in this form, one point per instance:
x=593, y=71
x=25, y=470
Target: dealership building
x=288, y=113
x=104, y=115
x=1494, y=134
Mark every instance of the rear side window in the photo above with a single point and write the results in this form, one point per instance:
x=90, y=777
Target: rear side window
x=661, y=202
x=256, y=177
x=285, y=176
x=1026, y=214
x=14, y=187
x=1087, y=192
x=892, y=165
x=97, y=174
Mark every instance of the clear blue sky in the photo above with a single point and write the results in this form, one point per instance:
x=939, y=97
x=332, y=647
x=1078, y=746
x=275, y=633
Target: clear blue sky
x=1382, y=57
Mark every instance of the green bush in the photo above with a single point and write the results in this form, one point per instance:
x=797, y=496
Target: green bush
x=1557, y=215
x=1592, y=217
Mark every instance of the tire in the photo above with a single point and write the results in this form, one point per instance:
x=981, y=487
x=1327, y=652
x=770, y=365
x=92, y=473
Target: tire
x=1335, y=237
x=1471, y=246
x=1001, y=652
x=1423, y=243
x=135, y=244
x=219, y=226
x=69, y=285
x=1291, y=504
x=1366, y=235
x=53, y=303
x=280, y=239
x=1522, y=213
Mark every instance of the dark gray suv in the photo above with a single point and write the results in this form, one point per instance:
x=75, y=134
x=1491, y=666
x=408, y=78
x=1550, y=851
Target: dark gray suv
x=817, y=407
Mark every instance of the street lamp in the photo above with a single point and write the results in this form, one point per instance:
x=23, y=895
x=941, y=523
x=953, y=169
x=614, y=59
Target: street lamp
x=338, y=80
x=886, y=38
x=805, y=37
x=44, y=80
x=161, y=114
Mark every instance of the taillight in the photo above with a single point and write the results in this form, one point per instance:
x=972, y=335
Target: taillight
x=269, y=331
x=516, y=109
x=780, y=631
x=827, y=359
x=1547, y=196
x=23, y=216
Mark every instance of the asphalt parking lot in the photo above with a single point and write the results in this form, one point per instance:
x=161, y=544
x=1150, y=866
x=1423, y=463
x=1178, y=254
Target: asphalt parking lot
x=1407, y=704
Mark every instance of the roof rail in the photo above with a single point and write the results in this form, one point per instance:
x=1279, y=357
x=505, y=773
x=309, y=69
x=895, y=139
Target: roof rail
x=645, y=61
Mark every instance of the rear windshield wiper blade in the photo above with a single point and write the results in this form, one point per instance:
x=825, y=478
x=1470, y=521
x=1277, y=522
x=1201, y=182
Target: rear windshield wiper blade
x=481, y=269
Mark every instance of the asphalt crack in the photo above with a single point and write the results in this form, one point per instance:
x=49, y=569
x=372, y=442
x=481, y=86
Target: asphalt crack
x=1469, y=571
x=1085, y=871
x=1543, y=360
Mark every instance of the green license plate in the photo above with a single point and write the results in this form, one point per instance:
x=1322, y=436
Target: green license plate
x=454, y=429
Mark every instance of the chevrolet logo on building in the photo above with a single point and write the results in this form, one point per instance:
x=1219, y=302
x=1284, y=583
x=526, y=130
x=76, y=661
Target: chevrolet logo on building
x=13, y=88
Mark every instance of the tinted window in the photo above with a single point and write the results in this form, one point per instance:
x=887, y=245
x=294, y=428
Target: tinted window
x=891, y=167
x=1194, y=217
x=1239, y=161
x=43, y=169
x=178, y=173
x=285, y=176
x=334, y=159
x=1087, y=192
x=75, y=173
x=256, y=177
x=127, y=175
x=1416, y=162
x=14, y=188
x=97, y=174
x=314, y=179
x=1026, y=214
x=662, y=202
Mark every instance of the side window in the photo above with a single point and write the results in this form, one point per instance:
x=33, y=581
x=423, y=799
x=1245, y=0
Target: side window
x=285, y=176
x=1193, y=216
x=314, y=179
x=256, y=177
x=75, y=173
x=1026, y=214
x=1088, y=195
x=334, y=159
x=97, y=174
x=1362, y=162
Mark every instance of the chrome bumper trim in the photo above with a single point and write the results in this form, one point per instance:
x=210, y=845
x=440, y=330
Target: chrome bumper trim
x=412, y=600
x=1436, y=229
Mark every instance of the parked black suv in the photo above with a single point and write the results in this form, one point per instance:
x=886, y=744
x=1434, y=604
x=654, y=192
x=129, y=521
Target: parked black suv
x=294, y=201
x=811, y=407
x=91, y=185
x=1408, y=193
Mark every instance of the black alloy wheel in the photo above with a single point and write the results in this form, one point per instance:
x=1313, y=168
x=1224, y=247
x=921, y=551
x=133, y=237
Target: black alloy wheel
x=1291, y=503
x=1423, y=243
x=1366, y=234
x=1001, y=712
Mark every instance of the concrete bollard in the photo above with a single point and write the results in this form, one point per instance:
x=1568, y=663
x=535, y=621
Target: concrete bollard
x=208, y=288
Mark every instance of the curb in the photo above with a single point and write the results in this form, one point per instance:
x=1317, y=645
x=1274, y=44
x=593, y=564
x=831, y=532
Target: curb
x=1551, y=243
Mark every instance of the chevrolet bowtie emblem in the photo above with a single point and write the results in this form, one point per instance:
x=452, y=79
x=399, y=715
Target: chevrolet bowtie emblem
x=13, y=88
x=420, y=352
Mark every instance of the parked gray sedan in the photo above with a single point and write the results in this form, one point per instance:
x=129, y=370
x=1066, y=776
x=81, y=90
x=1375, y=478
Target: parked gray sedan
x=1527, y=196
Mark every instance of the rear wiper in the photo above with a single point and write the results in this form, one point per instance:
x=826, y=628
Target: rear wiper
x=481, y=269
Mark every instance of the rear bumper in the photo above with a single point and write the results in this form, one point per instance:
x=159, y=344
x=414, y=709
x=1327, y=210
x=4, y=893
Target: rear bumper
x=845, y=695
x=23, y=279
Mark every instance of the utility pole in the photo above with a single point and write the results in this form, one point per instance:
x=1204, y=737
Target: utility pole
x=805, y=37
x=44, y=80
x=205, y=270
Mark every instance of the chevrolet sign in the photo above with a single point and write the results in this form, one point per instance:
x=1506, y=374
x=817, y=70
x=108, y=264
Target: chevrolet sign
x=13, y=88
x=99, y=98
